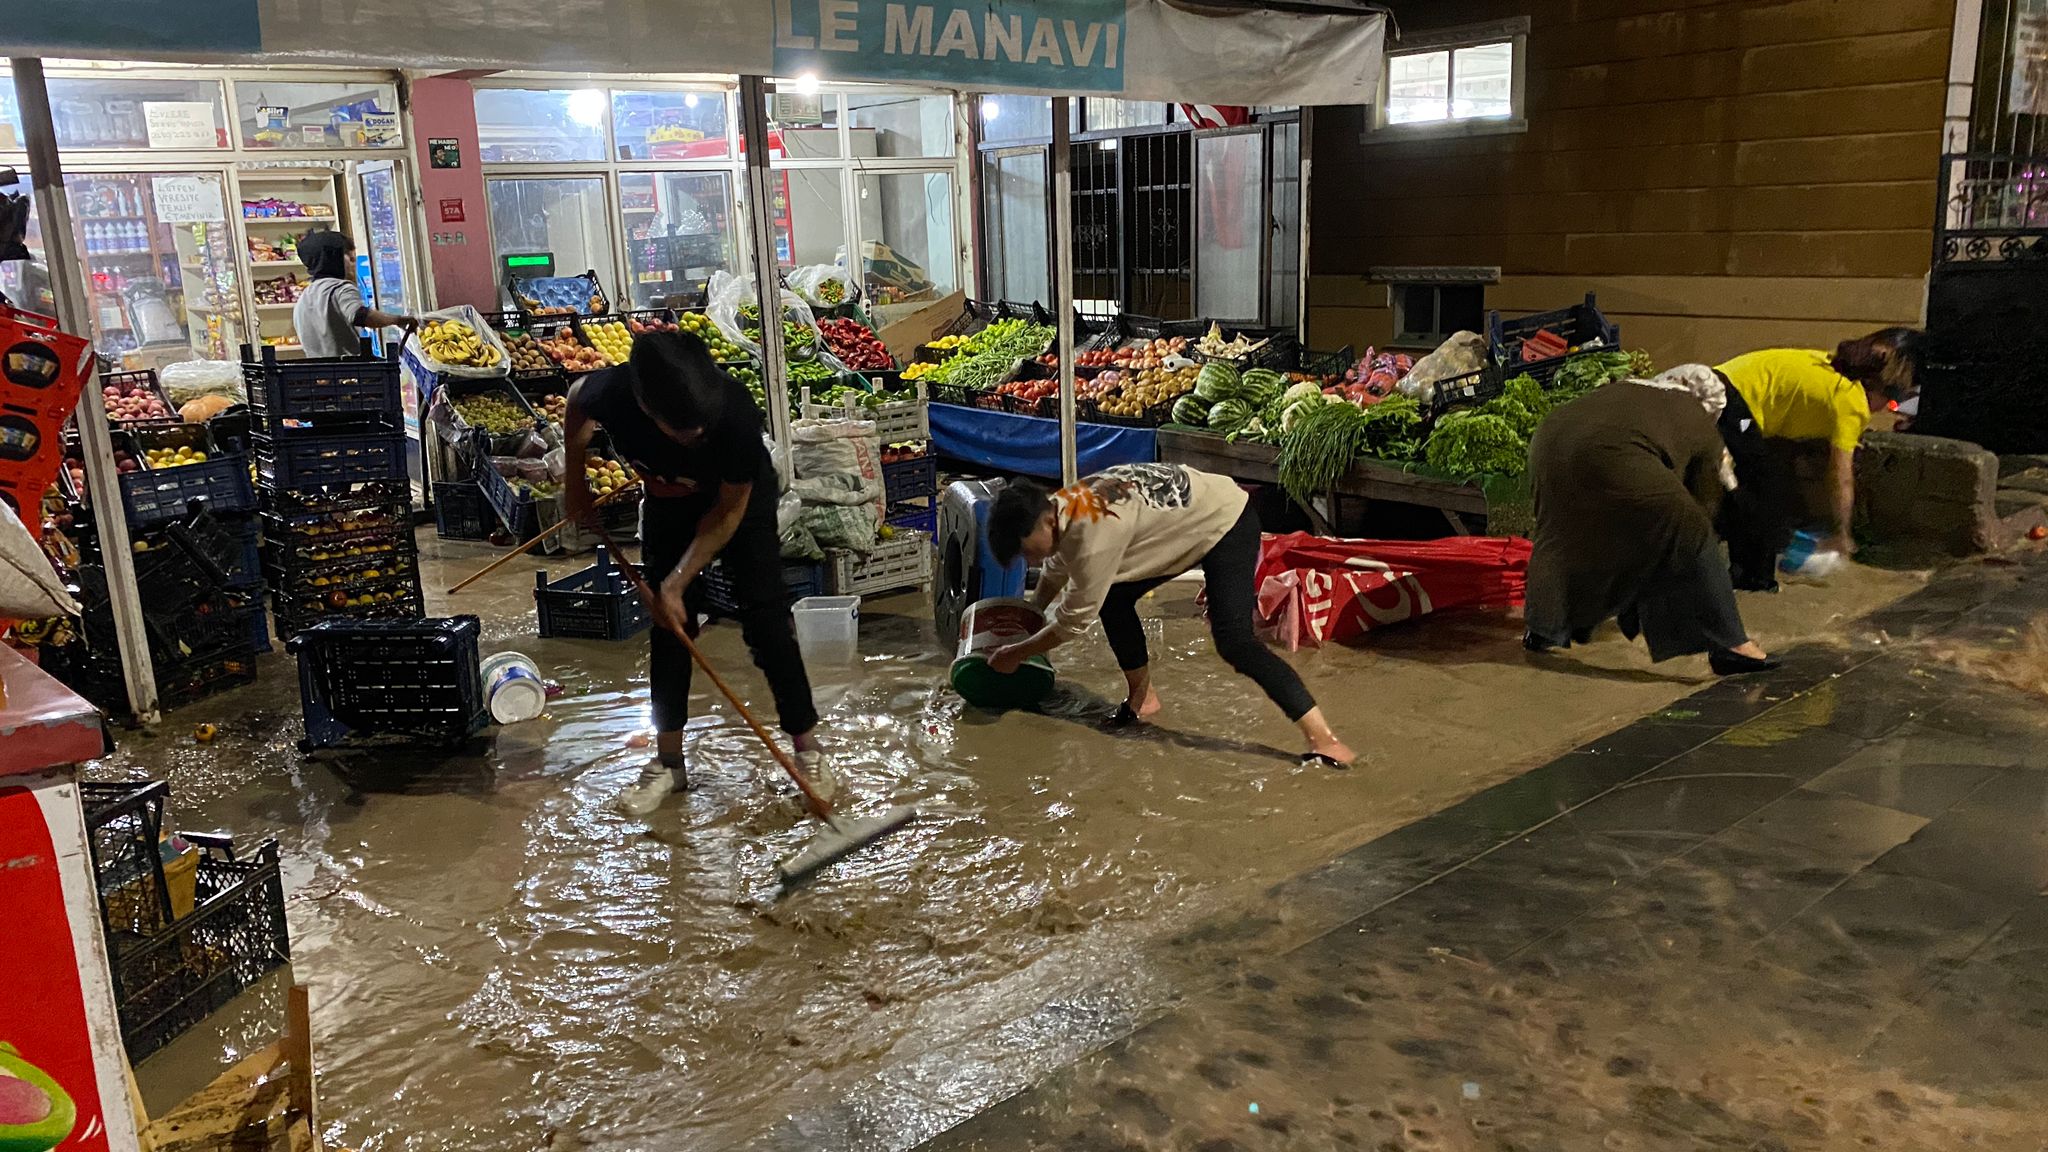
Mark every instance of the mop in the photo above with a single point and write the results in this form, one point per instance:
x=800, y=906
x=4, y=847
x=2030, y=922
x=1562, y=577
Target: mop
x=841, y=835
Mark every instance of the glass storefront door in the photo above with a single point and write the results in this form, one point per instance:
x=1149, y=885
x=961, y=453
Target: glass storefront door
x=679, y=230
x=161, y=281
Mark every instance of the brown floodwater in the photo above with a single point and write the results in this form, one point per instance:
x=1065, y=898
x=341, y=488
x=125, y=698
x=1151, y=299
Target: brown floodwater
x=500, y=960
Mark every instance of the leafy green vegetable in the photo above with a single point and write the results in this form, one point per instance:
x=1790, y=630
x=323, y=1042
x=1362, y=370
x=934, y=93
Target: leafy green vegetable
x=1477, y=443
x=1587, y=371
x=1394, y=429
x=1319, y=447
x=1522, y=404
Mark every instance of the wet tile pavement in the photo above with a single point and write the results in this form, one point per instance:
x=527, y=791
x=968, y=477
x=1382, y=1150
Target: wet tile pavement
x=1800, y=910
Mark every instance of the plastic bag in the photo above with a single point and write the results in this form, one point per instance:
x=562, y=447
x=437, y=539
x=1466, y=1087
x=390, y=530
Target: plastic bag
x=29, y=588
x=1806, y=561
x=727, y=293
x=797, y=541
x=1464, y=352
x=495, y=367
x=458, y=434
x=838, y=512
x=810, y=280
x=188, y=380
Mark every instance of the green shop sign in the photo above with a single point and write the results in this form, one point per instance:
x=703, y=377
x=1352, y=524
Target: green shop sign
x=1050, y=45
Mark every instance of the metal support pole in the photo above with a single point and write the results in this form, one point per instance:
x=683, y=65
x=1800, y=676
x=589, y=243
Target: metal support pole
x=103, y=481
x=767, y=269
x=1063, y=278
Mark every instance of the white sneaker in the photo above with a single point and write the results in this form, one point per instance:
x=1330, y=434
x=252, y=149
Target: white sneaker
x=817, y=768
x=656, y=781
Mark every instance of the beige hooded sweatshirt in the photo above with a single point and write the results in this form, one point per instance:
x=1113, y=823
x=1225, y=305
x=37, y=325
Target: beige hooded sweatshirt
x=1131, y=522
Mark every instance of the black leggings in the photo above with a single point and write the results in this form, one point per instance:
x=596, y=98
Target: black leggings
x=752, y=561
x=1230, y=567
x=1755, y=518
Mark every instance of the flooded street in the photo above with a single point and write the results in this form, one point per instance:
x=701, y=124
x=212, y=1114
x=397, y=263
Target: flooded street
x=500, y=960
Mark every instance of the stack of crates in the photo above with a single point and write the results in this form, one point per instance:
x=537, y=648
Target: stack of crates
x=189, y=921
x=330, y=446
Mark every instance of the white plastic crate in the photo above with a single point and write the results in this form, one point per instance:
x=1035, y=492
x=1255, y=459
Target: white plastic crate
x=904, y=562
x=894, y=423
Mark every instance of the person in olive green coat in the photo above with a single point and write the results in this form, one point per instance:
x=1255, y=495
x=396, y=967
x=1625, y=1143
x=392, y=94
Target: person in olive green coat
x=1626, y=480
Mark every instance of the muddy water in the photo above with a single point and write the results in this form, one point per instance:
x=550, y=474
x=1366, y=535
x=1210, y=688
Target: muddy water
x=501, y=961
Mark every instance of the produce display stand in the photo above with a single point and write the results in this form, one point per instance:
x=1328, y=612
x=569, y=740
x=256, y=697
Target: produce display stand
x=1367, y=479
x=59, y=1013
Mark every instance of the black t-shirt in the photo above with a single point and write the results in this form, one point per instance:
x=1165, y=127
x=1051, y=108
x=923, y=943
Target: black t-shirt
x=730, y=452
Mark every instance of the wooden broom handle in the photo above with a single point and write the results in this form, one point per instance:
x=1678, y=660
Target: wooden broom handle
x=557, y=526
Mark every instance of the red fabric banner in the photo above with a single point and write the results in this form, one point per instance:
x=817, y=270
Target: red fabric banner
x=1318, y=589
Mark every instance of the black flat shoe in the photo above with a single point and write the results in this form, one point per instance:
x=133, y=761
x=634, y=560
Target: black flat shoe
x=1531, y=642
x=1125, y=717
x=1736, y=664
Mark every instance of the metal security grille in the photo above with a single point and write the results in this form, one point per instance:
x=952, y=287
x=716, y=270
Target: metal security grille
x=2010, y=97
x=1098, y=234
x=1159, y=201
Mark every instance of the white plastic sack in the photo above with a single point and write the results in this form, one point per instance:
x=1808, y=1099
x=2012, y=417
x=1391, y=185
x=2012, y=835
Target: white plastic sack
x=838, y=513
x=188, y=380
x=809, y=280
x=1464, y=352
x=29, y=588
x=470, y=316
x=820, y=448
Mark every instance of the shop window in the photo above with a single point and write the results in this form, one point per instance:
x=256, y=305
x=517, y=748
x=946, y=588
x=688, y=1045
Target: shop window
x=1106, y=115
x=1283, y=291
x=670, y=125
x=887, y=124
x=679, y=230
x=1015, y=118
x=277, y=114
x=124, y=112
x=906, y=221
x=810, y=216
x=1230, y=224
x=1429, y=314
x=540, y=126
x=1458, y=81
x=566, y=217
x=802, y=126
x=1017, y=250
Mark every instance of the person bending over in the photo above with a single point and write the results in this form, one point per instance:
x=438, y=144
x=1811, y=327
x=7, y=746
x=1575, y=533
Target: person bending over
x=1114, y=536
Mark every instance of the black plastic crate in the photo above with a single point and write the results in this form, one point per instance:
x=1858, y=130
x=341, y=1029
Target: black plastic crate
x=215, y=626
x=296, y=614
x=461, y=512
x=1312, y=363
x=298, y=461
x=1090, y=411
x=123, y=823
x=1279, y=351
x=912, y=479
x=800, y=578
x=195, y=966
x=231, y=544
x=499, y=444
x=924, y=519
x=143, y=381
x=964, y=397
x=1582, y=326
x=96, y=675
x=419, y=679
x=362, y=559
x=310, y=387
x=503, y=320
x=598, y=603
x=1476, y=387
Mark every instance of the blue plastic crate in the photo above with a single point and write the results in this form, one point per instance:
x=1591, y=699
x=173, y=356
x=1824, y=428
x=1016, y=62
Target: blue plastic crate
x=913, y=479
x=355, y=386
x=800, y=578
x=154, y=496
x=598, y=603
x=1580, y=324
x=411, y=678
x=521, y=514
x=293, y=460
x=924, y=519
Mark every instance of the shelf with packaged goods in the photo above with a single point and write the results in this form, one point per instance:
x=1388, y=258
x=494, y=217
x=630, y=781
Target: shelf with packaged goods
x=285, y=221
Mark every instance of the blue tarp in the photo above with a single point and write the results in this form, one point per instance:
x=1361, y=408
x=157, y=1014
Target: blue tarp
x=1030, y=445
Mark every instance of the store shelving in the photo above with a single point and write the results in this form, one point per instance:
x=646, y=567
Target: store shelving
x=316, y=188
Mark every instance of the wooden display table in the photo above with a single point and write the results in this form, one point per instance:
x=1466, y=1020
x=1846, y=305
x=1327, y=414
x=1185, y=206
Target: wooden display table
x=1368, y=480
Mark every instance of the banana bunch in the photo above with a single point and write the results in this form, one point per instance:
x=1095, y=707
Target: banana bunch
x=454, y=342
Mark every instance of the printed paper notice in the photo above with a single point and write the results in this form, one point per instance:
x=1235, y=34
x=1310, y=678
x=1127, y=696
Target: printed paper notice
x=180, y=124
x=187, y=199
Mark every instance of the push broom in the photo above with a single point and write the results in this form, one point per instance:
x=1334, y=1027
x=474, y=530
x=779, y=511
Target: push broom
x=841, y=835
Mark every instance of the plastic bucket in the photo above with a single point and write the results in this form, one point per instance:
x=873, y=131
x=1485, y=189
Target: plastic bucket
x=986, y=626
x=827, y=628
x=513, y=688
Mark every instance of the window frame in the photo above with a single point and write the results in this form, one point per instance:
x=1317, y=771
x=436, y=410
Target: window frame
x=1514, y=33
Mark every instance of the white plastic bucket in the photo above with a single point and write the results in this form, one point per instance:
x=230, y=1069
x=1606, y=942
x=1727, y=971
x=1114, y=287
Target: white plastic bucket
x=828, y=628
x=513, y=688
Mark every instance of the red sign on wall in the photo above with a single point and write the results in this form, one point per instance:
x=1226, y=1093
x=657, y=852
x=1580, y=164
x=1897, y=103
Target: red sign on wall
x=451, y=211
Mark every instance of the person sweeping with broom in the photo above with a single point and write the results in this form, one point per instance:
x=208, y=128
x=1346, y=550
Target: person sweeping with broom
x=694, y=436
x=1114, y=536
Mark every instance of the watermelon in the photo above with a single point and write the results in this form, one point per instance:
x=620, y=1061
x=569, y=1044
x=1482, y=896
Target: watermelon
x=1227, y=416
x=1190, y=410
x=1218, y=382
x=1264, y=384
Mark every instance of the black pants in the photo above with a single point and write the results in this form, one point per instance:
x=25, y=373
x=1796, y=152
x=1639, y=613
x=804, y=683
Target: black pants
x=1687, y=610
x=1230, y=567
x=1756, y=518
x=752, y=559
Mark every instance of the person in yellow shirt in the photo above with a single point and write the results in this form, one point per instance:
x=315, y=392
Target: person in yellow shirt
x=1802, y=394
